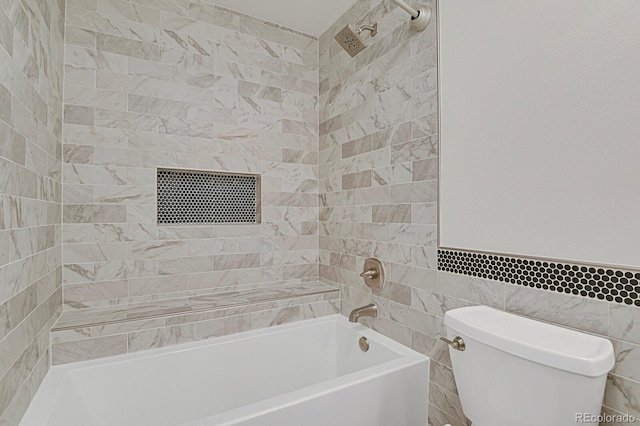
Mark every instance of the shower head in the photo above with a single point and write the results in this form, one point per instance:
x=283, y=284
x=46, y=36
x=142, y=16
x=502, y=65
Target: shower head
x=351, y=41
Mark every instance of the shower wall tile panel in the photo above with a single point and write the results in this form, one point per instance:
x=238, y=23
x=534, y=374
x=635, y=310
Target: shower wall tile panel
x=378, y=186
x=378, y=197
x=31, y=80
x=184, y=84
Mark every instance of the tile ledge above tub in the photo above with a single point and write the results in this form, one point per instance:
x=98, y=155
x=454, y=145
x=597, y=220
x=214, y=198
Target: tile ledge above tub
x=102, y=316
x=107, y=331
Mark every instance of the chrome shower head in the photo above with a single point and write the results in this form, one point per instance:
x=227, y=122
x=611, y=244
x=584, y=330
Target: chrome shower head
x=351, y=41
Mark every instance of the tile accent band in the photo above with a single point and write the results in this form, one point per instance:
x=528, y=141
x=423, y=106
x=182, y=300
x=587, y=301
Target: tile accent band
x=596, y=282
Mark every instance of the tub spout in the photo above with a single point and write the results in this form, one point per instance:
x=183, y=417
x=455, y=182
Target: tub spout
x=370, y=310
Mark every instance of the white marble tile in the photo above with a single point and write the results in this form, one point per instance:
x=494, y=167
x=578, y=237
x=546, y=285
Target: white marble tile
x=623, y=395
x=30, y=194
x=157, y=285
x=157, y=249
x=624, y=323
x=276, y=317
x=414, y=319
x=126, y=10
x=212, y=280
x=161, y=337
x=393, y=330
x=94, y=59
x=81, y=350
x=446, y=401
x=413, y=277
x=319, y=309
x=434, y=303
x=101, y=252
x=627, y=359
x=75, y=295
x=571, y=311
x=471, y=289
x=223, y=326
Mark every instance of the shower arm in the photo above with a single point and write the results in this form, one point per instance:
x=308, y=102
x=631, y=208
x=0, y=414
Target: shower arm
x=419, y=17
x=373, y=29
x=411, y=11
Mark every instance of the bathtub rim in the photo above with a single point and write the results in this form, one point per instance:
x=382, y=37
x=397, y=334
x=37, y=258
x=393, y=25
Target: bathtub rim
x=43, y=403
x=373, y=335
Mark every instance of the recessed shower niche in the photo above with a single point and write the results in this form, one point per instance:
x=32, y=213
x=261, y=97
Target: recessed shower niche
x=188, y=197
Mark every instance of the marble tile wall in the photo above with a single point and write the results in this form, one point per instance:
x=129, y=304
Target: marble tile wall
x=203, y=317
x=184, y=84
x=378, y=197
x=31, y=70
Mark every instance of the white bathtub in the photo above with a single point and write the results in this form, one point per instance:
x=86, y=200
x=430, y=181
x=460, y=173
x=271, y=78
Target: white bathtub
x=310, y=373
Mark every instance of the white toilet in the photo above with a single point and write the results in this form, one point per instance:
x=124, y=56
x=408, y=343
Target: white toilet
x=514, y=371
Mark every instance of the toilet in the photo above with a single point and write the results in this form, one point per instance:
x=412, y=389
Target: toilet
x=514, y=371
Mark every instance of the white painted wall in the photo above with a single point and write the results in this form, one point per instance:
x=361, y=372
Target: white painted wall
x=540, y=127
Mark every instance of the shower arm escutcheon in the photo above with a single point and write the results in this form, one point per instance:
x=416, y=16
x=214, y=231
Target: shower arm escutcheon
x=420, y=17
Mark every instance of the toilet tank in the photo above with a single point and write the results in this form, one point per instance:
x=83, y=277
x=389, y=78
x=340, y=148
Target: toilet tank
x=516, y=371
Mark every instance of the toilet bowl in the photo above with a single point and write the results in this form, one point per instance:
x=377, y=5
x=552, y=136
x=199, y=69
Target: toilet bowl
x=514, y=371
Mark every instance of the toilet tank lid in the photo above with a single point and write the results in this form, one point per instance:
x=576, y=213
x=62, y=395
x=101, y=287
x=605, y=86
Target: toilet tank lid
x=536, y=341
